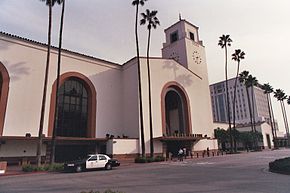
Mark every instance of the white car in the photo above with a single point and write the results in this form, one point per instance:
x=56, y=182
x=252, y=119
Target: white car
x=92, y=161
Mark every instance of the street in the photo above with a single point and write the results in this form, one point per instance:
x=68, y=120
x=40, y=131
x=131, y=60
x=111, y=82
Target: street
x=239, y=173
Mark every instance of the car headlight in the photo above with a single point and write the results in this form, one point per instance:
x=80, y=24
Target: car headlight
x=70, y=165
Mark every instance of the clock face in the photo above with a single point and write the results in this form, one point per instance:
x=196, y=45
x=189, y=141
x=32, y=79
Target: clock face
x=174, y=56
x=196, y=57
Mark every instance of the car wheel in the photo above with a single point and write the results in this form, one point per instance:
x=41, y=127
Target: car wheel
x=108, y=167
x=79, y=168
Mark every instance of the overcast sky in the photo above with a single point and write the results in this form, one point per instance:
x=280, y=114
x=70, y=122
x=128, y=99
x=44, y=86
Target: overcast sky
x=105, y=29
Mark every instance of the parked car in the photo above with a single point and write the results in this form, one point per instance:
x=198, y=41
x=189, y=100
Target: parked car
x=92, y=161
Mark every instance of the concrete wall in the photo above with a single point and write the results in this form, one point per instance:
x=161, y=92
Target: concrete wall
x=15, y=148
x=203, y=144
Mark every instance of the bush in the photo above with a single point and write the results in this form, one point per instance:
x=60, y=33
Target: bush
x=149, y=159
x=280, y=166
x=140, y=160
x=159, y=159
x=52, y=168
x=106, y=191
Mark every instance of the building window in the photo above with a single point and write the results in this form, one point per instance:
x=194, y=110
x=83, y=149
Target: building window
x=72, y=116
x=191, y=36
x=174, y=37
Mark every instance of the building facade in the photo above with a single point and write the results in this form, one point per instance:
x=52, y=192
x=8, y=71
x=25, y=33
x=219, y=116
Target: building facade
x=98, y=104
x=242, y=114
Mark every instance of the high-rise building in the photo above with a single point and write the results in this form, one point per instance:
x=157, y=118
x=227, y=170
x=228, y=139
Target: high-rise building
x=242, y=114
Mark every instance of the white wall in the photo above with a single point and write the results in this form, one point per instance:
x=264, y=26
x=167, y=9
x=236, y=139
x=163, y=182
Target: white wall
x=15, y=148
x=123, y=146
x=203, y=144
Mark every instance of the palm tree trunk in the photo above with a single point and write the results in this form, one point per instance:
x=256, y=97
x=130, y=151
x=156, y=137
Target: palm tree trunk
x=273, y=120
x=234, y=102
x=250, y=110
x=40, y=131
x=139, y=85
x=272, y=127
x=227, y=96
x=52, y=158
x=254, y=120
x=149, y=90
x=286, y=123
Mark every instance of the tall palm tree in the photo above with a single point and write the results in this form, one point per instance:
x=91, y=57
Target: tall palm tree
x=224, y=42
x=243, y=78
x=268, y=89
x=237, y=56
x=252, y=81
x=287, y=130
x=137, y=3
x=152, y=21
x=281, y=96
x=50, y=4
x=52, y=158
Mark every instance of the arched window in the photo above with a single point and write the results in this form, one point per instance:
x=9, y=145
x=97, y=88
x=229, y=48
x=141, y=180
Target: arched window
x=76, y=116
x=72, y=117
x=175, y=110
x=4, y=87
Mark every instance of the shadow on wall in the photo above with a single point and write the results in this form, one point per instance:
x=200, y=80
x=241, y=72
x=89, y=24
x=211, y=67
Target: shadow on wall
x=16, y=70
x=183, y=79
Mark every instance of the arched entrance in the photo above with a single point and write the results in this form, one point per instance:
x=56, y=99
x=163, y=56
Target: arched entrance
x=76, y=117
x=176, y=120
x=4, y=88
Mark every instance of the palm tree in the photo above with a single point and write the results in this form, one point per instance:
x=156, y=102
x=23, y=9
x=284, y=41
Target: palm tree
x=52, y=158
x=137, y=3
x=243, y=78
x=268, y=89
x=281, y=96
x=224, y=42
x=50, y=4
x=150, y=18
x=287, y=130
x=237, y=56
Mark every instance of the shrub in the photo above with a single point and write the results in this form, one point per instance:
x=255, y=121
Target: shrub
x=140, y=160
x=28, y=168
x=52, y=168
x=280, y=166
x=159, y=159
x=106, y=191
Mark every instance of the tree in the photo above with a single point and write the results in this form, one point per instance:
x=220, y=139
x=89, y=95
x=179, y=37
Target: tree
x=251, y=82
x=237, y=56
x=224, y=42
x=137, y=3
x=52, y=158
x=268, y=89
x=152, y=21
x=222, y=136
x=281, y=96
x=50, y=4
x=243, y=78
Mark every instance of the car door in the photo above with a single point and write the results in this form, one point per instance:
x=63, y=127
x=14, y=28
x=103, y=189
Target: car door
x=102, y=161
x=92, y=162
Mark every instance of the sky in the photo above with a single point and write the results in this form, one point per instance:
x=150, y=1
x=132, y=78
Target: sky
x=105, y=29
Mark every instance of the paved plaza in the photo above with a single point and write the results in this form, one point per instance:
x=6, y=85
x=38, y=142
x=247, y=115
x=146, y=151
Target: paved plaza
x=240, y=173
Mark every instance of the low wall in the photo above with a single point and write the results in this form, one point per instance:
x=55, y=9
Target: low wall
x=3, y=166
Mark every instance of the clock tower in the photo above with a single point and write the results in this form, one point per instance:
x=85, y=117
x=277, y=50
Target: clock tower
x=184, y=46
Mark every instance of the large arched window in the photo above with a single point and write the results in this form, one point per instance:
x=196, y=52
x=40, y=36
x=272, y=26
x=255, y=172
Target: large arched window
x=4, y=87
x=72, y=117
x=76, y=116
x=175, y=110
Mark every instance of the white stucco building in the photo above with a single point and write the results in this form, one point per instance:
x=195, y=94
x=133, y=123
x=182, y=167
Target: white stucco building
x=98, y=97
